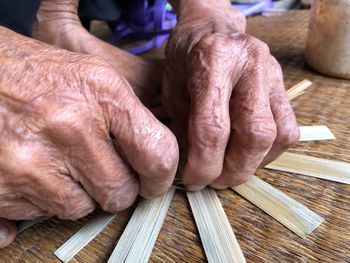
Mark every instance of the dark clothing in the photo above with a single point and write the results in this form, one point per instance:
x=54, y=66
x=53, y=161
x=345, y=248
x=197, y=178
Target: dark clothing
x=19, y=15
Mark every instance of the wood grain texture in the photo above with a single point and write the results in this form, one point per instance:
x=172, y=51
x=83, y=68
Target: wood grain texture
x=262, y=239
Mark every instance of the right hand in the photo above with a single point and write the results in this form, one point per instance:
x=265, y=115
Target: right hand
x=72, y=132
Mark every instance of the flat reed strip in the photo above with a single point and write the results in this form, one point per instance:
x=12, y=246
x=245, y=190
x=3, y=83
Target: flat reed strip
x=292, y=214
x=312, y=166
x=80, y=239
x=219, y=241
x=25, y=224
x=315, y=133
x=298, y=89
x=138, y=239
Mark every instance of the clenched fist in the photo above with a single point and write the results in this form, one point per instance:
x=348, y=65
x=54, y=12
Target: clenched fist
x=225, y=93
x=72, y=132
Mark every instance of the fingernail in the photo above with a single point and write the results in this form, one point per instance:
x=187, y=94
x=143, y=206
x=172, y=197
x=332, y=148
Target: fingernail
x=194, y=187
x=4, y=233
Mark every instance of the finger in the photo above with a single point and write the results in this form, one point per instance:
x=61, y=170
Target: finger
x=104, y=175
x=8, y=231
x=287, y=126
x=51, y=188
x=147, y=144
x=59, y=195
x=253, y=127
x=15, y=208
x=210, y=86
x=43, y=180
x=91, y=159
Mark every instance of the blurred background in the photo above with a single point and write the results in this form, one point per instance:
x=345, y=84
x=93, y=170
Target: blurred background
x=143, y=25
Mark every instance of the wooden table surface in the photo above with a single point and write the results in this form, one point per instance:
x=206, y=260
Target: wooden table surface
x=262, y=238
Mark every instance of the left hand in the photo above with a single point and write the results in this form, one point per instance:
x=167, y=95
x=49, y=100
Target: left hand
x=225, y=94
x=57, y=23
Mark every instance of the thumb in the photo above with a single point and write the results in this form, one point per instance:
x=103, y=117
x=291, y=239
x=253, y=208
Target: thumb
x=8, y=232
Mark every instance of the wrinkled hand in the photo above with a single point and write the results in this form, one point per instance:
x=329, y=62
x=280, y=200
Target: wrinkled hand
x=57, y=23
x=72, y=133
x=225, y=93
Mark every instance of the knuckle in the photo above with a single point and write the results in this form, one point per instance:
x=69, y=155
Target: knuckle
x=288, y=136
x=212, y=40
x=117, y=198
x=162, y=156
x=259, y=136
x=212, y=45
x=259, y=45
x=258, y=49
x=169, y=157
x=73, y=205
x=98, y=73
x=69, y=119
x=212, y=134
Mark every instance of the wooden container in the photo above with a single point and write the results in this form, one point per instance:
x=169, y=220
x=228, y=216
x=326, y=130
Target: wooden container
x=328, y=41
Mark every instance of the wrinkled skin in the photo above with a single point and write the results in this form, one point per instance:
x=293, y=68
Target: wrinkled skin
x=86, y=137
x=58, y=24
x=73, y=132
x=226, y=97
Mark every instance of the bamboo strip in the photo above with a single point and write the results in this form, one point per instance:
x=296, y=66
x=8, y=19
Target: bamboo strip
x=298, y=89
x=137, y=241
x=25, y=224
x=89, y=231
x=312, y=166
x=320, y=152
x=219, y=241
x=314, y=133
x=292, y=214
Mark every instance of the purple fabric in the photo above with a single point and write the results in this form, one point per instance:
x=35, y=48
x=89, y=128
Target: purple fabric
x=252, y=9
x=141, y=21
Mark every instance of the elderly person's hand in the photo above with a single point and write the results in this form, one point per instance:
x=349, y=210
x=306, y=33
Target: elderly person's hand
x=225, y=93
x=72, y=132
x=57, y=23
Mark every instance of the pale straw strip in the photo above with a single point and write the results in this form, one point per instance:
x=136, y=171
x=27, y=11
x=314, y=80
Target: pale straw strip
x=314, y=133
x=219, y=241
x=292, y=214
x=320, y=152
x=138, y=239
x=80, y=239
x=312, y=166
x=25, y=224
x=298, y=89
